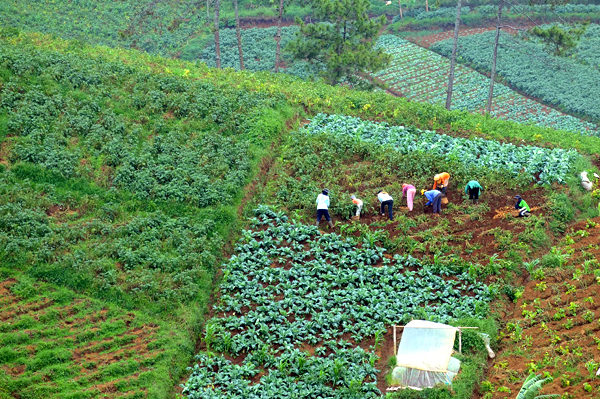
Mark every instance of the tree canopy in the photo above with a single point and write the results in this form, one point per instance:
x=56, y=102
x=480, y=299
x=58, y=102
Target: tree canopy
x=342, y=43
x=557, y=39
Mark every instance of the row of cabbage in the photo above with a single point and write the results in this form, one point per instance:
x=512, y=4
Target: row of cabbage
x=550, y=165
x=258, y=47
x=289, y=288
x=558, y=81
x=422, y=75
x=421, y=13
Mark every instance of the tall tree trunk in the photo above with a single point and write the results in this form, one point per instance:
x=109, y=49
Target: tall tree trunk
x=488, y=108
x=453, y=59
x=278, y=37
x=217, y=43
x=427, y=5
x=207, y=11
x=239, y=34
x=400, y=6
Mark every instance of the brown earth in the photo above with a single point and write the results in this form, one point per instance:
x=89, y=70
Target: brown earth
x=427, y=41
x=555, y=326
x=89, y=357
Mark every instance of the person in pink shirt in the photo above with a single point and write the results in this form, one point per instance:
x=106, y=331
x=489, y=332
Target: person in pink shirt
x=409, y=191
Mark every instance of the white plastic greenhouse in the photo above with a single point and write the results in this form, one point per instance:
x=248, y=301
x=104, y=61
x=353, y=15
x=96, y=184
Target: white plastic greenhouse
x=424, y=357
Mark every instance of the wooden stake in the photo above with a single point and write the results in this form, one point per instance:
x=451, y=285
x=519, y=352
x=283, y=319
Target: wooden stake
x=459, y=340
x=395, y=349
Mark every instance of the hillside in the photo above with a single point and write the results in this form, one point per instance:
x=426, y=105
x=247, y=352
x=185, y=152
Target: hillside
x=569, y=83
x=422, y=75
x=127, y=180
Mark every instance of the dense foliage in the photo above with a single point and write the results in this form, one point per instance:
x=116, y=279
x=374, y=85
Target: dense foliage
x=120, y=184
x=289, y=285
x=557, y=81
x=156, y=27
x=422, y=75
x=549, y=165
x=588, y=49
x=485, y=14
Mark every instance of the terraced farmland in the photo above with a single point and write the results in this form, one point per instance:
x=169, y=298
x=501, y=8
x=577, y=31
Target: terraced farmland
x=54, y=344
x=554, y=326
x=306, y=313
x=422, y=75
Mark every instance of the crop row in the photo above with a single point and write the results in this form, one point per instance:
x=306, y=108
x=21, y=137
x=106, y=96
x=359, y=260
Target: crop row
x=153, y=27
x=290, y=287
x=422, y=75
x=558, y=81
x=258, y=46
x=551, y=165
x=54, y=344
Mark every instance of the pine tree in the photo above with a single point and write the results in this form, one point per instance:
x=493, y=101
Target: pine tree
x=342, y=43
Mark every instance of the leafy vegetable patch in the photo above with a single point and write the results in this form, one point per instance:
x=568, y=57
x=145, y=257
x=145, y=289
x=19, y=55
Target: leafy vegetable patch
x=298, y=307
x=552, y=165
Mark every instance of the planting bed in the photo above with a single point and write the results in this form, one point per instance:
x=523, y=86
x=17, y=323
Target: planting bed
x=54, y=342
x=422, y=75
x=555, y=325
x=548, y=165
x=571, y=83
x=305, y=313
x=483, y=233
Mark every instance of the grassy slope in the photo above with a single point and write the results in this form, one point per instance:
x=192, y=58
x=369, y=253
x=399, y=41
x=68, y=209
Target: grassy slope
x=77, y=142
x=316, y=98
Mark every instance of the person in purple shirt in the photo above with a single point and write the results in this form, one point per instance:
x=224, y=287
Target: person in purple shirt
x=434, y=197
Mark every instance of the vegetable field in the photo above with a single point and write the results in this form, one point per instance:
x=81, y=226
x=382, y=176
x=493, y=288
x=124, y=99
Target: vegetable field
x=562, y=82
x=305, y=313
x=422, y=75
x=126, y=179
x=550, y=165
x=120, y=187
x=554, y=327
x=258, y=46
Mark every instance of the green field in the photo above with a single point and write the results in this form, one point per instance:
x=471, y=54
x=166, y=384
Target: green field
x=568, y=83
x=130, y=181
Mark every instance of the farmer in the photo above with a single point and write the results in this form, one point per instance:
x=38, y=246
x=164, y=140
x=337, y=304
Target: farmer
x=323, y=208
x=409, y=191
x=434, y=198
x=386, y=200
x=522, y=207
x=473, y=188
x=440, y=182
x=359, y=205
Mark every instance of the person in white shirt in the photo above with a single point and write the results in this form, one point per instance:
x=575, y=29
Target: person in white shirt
x=323, y=208
x=386, y=200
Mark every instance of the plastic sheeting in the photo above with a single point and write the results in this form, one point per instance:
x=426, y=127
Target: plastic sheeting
x=424, y=357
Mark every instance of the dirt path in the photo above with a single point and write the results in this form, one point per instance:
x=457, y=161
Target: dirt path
x=427, y=41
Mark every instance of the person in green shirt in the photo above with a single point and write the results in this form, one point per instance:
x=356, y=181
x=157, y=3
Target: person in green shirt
x=522, y=207
x=473, y=188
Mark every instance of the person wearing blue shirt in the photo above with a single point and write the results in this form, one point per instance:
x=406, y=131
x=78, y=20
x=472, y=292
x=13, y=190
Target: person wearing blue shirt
x=323, y=208
x=434, y=198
